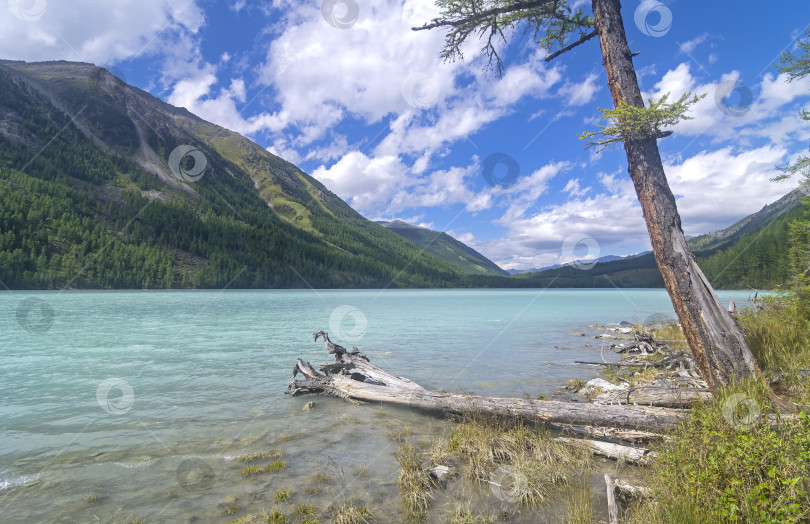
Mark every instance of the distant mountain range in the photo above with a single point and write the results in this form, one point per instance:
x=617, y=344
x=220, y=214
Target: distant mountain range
x=607, y=258
x=751, y=253
x=446, y=248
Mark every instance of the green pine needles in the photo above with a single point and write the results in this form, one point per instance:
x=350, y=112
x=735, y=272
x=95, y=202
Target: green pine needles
x=797, y=66
x=630, y=123
x=490, y=21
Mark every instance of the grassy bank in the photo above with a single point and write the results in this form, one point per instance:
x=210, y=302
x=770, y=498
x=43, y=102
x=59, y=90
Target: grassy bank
x=737, y=459
x=500, y=470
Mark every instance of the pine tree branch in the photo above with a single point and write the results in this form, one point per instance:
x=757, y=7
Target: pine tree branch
x=478, y=17
x=551, y=20
x=569, y=47
x=630, y=123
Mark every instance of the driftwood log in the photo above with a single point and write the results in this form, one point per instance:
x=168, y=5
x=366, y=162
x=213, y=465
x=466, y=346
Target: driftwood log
x=352, y=376
x=631, y=455
x=630, y=436
x=613, y=509
x=628, y=492
x=653, y=396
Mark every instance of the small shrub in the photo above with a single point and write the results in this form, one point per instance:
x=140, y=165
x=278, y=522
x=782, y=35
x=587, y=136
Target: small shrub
x=716, y=472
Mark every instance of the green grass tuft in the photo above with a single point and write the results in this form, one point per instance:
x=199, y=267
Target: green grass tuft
x=462, y=514
x=415, y=484
x=352, y=511
x=273, y=453
x=284, y=495
x=275, y=517
x=305, y=511
x=276, y=465
x=527, y=459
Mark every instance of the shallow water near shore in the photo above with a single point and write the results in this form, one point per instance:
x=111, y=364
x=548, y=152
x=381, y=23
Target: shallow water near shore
x=137, y=404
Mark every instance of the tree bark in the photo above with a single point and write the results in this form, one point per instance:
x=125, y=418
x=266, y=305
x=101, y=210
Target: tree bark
x=353, y=376
x=715, y=339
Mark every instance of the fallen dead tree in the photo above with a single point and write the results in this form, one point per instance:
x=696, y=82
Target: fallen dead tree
x=615, y=434
x=655, y=396
x=352, y=376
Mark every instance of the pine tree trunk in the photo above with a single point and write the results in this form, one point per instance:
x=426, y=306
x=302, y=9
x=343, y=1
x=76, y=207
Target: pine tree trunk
x=713, y=336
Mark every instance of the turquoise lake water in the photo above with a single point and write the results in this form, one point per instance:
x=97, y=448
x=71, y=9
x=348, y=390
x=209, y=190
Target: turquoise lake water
x=136, y=404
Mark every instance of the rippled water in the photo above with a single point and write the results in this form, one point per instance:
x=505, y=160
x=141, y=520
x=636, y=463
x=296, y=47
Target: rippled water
x=136, y=404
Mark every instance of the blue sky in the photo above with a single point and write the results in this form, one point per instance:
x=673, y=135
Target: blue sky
x=351, y=95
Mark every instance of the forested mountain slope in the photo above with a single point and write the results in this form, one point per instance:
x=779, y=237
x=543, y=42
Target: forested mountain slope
x=443, y=246
x=89, y=199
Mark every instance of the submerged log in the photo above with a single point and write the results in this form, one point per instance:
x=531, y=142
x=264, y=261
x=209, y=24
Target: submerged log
x=353, y=376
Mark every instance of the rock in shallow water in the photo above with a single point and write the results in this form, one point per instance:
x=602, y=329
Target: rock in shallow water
x=440, y=473
x=600, y=383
